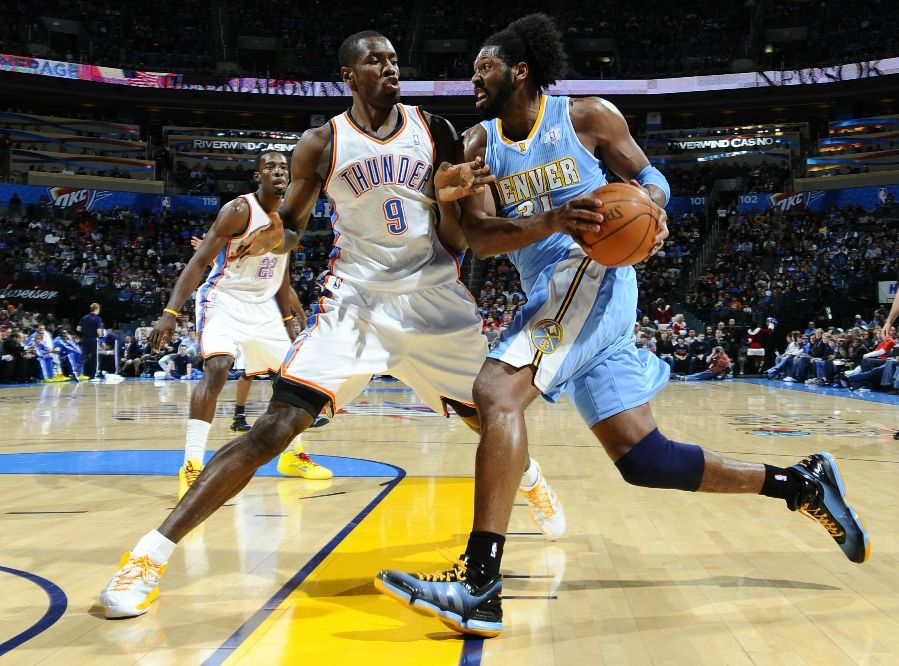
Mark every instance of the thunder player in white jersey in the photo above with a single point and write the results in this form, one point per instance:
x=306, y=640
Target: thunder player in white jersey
x=244, y=304
x=574, y=335
x=393, y=302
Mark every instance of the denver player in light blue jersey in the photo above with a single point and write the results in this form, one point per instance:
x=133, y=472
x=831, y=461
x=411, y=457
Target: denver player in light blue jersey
x=574, y=334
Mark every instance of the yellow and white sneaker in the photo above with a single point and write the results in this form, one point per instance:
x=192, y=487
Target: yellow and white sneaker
x=297, y=463
x=133, y=588
x=546, y=509
x=187, y=475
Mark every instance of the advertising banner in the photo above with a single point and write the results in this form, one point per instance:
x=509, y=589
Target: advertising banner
x=886, y=290
x=683, y=205
x=262, y=86
x=23, y=290
x=82, y=199
x=868, y=198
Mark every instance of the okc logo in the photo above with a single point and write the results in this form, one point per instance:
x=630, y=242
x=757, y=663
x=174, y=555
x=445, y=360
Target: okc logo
x=78, y=199
x=785, y=201
x=547, y=335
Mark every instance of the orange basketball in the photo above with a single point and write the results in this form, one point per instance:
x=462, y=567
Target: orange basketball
x=630, y=223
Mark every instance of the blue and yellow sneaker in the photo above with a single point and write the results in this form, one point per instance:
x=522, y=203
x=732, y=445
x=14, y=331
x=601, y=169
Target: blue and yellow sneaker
x=460, y=603
x=823, y=499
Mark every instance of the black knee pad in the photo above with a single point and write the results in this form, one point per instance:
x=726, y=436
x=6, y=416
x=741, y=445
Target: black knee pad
x=657, y=462
x=299, y=395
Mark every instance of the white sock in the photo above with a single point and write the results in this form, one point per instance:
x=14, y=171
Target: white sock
x=155, y=546
x=530, y=478
x=195, y=442
x=296, y=444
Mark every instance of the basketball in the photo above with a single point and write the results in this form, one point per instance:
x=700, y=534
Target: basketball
x=630, y=223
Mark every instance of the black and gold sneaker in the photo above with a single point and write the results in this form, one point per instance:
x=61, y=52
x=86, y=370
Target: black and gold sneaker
x=452, y=596
x=823, y=498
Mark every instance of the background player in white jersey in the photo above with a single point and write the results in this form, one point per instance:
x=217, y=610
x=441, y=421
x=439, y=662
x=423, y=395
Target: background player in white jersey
x=393, y=303
x=242, y=304
x=542, y=150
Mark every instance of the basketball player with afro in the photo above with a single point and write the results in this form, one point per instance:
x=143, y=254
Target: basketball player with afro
x=573, y=336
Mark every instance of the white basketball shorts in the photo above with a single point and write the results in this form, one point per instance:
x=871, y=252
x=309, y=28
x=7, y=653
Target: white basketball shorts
x=430, y=339
x=226, y=325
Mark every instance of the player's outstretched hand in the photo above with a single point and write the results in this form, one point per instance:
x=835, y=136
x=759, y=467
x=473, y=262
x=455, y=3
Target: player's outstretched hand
x=262, y=240
x=162, y=331
x=457, y=181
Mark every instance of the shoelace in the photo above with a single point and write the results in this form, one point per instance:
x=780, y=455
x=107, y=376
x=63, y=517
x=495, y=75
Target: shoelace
x=541, y=499
x=190, y=473
x=305, y=459
x=458, y=572
x=833, y=528
x=138, y=568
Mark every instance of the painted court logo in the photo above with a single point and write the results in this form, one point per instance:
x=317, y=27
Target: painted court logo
x=547, y=335
x=786, y=424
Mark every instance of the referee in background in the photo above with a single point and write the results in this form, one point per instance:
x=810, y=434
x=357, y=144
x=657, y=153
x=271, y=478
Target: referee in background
x=91, y=328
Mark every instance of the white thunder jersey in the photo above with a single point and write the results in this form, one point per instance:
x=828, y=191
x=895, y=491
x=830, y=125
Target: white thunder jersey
x=257, y=279
x=383, y=207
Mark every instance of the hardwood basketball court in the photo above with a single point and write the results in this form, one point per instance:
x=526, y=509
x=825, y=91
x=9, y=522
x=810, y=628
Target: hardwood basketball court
x=284, y=572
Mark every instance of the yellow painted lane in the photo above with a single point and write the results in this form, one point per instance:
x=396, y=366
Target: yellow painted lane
x=337, y=617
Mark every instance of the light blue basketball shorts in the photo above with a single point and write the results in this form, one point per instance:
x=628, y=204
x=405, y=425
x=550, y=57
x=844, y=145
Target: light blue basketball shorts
x=577, y=330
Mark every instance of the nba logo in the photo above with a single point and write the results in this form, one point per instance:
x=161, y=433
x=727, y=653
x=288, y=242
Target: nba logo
x=493, y=550
x=415, y=139
x=882, y=195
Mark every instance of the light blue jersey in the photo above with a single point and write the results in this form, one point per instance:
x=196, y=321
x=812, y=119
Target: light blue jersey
x=544, y=171
x=577, y=325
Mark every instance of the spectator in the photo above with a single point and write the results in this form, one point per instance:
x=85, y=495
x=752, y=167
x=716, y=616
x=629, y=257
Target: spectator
x=665, y=348
x=719, y=366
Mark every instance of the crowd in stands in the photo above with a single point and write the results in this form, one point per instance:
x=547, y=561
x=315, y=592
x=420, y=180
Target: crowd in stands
x=763, y=177
x=858, y=357
x=132, y=258
x=37, y=347
x=313, y=31
x=702, y=36
x=205, y=179
x=853, y=31
x=191, y=36
x=768, y=261
x=158, y=36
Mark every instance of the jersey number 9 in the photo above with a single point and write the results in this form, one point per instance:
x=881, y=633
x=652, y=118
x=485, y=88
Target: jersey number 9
x=395, y=215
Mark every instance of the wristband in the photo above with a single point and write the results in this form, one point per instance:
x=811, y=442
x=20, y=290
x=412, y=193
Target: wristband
x=174, y=313
x=287, y=318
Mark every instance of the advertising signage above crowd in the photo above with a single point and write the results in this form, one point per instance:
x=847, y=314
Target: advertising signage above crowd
x=82, y=199
x=686, y=84
x=867, y=198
